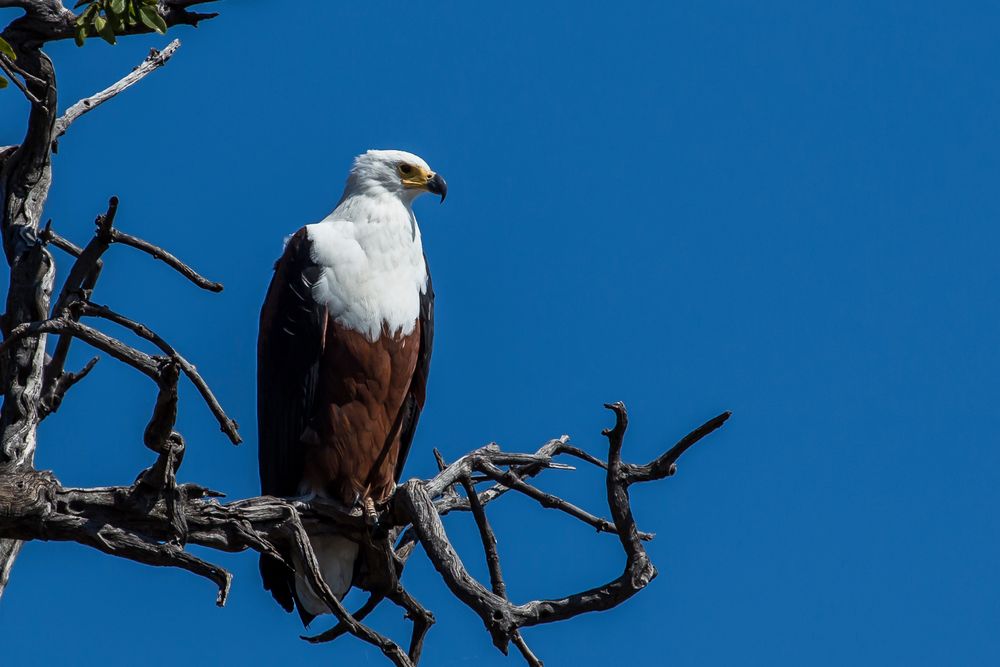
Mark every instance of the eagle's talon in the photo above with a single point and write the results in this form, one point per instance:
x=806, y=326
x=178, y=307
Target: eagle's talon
x=303, y=502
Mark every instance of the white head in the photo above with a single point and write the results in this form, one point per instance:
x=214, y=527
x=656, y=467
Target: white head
x=398, y=173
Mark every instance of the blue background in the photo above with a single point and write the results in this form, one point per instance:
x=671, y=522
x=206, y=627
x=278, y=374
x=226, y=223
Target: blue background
x=788, y=210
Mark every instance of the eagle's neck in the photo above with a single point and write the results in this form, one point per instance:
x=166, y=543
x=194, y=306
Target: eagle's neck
x=376, y=205
x=372, y=261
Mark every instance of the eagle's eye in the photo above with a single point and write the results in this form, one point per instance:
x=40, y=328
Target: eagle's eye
x=405, y=169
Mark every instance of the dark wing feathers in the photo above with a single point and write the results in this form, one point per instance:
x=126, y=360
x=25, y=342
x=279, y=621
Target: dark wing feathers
x=289, y=348
x=414, y=401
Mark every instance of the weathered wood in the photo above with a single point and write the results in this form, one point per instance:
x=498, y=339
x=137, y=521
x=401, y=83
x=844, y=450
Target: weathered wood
x=25, y=177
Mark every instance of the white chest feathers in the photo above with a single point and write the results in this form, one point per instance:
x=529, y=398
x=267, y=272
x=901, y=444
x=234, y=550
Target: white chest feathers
x=373, y=273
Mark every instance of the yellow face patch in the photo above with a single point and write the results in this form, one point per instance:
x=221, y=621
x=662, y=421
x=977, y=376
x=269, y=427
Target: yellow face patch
x=414, y=176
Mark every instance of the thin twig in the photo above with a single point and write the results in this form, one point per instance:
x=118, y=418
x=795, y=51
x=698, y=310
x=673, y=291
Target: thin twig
x=522, y=646
x=49, y=235
x=489, y=541
x=5, y=65
x=341, y=628
x=548, y=500
x=421, y=618
x=227, y=424
x=488, y=538
x=64, y=383
x=159, y=253
x=85, y=270
x=28, y=76
x=80, y=282
x=664, y=465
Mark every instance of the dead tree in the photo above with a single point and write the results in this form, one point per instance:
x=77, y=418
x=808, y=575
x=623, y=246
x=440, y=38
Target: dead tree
x=152, y=520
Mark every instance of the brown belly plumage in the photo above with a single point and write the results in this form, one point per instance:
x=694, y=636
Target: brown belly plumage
x=354, y=440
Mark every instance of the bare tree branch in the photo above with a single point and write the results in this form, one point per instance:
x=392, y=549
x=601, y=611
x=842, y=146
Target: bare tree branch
x=154, y=520
x=159, y=253
x=79, y=284
x=227, y=424
x=511, y=481
x=137, y=359
x=9, y=69
x=63, y=384
x=37, y=507
x=49, y=235
x=664, y=465
x=155, y=60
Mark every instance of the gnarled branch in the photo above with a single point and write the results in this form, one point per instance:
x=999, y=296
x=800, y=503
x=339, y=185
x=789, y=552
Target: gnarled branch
x=122, y=521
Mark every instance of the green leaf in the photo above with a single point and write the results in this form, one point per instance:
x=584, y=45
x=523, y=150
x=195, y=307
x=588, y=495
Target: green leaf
x=117, y=6
x=152, y=19
x=105, y=30
x=3, y=83
x=6, y=49
x=81, y=34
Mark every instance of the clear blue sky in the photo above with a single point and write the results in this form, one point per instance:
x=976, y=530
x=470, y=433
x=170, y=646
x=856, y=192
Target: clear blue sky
x=788, y=210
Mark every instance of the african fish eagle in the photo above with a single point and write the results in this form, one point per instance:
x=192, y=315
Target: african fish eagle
x=342, y=358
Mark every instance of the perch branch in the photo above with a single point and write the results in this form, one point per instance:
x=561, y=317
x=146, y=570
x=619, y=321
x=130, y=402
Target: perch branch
x=124, y=522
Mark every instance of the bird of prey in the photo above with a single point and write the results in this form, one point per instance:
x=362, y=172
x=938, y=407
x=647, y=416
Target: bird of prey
x=343, y=354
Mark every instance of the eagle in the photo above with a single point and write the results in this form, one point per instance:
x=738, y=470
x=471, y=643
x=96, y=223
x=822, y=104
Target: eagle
x=343, y=354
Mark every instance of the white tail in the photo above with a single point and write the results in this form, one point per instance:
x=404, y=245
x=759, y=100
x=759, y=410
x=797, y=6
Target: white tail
x=336, y=556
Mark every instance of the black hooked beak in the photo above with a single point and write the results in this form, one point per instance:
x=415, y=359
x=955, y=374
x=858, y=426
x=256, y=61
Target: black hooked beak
x=437, y=186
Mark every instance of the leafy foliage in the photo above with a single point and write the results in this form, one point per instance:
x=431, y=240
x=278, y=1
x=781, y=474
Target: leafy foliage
x=108, y=18
x=105, y=19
